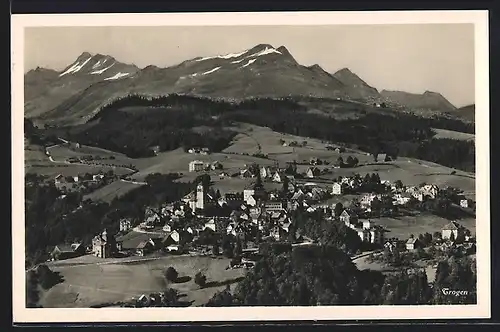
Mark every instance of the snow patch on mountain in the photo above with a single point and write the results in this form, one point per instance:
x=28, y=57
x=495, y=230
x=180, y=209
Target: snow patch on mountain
x=100, y=71
x=211, y=70
x=237, y=61
x=116, y=76
x=248, y=63
x=267, y=50
x=96, y=64
x=226, y=56
x=76, y=67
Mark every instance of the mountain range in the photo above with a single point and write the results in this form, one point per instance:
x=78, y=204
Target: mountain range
x=76, y=93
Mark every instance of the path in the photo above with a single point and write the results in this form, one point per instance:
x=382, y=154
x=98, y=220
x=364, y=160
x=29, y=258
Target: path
x=134, y=182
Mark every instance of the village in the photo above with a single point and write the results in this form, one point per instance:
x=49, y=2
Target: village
x=206, y=222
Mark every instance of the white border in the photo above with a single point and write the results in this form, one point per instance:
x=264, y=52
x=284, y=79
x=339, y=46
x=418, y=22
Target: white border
x=43, y=315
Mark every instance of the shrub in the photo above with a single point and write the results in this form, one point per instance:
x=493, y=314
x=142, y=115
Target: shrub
x=171, y=274
x=200, y=279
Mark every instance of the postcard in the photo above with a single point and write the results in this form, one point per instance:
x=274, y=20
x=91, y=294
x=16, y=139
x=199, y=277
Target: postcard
x=250, y=166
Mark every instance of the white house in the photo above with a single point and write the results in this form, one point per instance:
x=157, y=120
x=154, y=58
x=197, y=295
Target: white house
x=453, y=229
x=196, y=166
x=277, y=177
x=464, y=203
x=336, y=189
x=247, y=193
x=125, y=225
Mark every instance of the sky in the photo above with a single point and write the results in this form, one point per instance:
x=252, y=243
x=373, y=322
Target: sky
x=411, y=57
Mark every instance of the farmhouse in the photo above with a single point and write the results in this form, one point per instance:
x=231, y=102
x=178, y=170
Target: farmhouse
x=216, y=165
x=104, y=246
x=145, y=247
x=312, y=172
x=65, y=251
x=452, y=231
x=413, y=243
x=265, y=172
x=196, y=166
x=394, y=244
x=348, y=217
x=125, y=225
x=277, y=177
x=336, y=189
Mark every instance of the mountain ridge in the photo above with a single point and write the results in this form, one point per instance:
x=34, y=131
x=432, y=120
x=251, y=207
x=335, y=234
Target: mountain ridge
x=260, y=71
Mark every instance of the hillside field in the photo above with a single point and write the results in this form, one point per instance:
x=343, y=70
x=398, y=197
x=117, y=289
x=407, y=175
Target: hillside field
x=251, y=139
x=94, y=284
x=443, y=133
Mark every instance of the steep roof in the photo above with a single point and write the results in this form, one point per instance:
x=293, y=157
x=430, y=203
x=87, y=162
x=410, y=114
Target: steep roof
x=452, y=225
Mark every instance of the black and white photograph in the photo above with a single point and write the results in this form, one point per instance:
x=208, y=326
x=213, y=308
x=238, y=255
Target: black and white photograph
x=262, y=166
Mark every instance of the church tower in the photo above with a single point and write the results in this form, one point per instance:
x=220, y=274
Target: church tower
x=200, y=197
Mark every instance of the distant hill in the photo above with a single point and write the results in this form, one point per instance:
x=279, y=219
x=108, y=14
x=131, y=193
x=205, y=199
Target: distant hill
x=357, y=88
x=425, y=102
x=467, y=112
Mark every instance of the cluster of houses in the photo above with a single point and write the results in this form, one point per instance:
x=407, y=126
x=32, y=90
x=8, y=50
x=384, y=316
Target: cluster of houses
x=452, y=234
x=256, y=213
x=69, y=183
x=203, y=151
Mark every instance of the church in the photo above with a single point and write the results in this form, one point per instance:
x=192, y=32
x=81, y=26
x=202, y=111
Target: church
x=199, y=199
x=104, y=245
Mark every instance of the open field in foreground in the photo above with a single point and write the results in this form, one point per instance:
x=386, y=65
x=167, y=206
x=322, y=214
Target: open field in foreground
x=94, y=284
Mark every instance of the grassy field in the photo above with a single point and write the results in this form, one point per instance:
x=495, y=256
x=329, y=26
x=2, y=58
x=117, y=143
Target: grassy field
x=115, y=189
x=177, y=161
x=94, y=284
x=403, y=227
x=251, y=139
x=34, y=154
x=443, y=133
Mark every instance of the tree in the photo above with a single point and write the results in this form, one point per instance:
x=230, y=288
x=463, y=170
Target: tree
x=399, y=184
x=171, y=274
x=170, y=298
x=340, y=161
x=216, y=249
x=376, y=205
x=350, y=161
x=355, y=161
x=200, y=279
x=284, y=189
x=237, y=249
x=205, y=180
x=339, y=208
x=258, y=182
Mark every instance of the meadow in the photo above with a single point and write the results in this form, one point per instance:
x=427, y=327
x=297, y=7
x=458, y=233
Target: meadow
x=94, y=284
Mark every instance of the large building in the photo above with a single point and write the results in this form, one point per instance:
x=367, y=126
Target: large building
x=196, y=166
